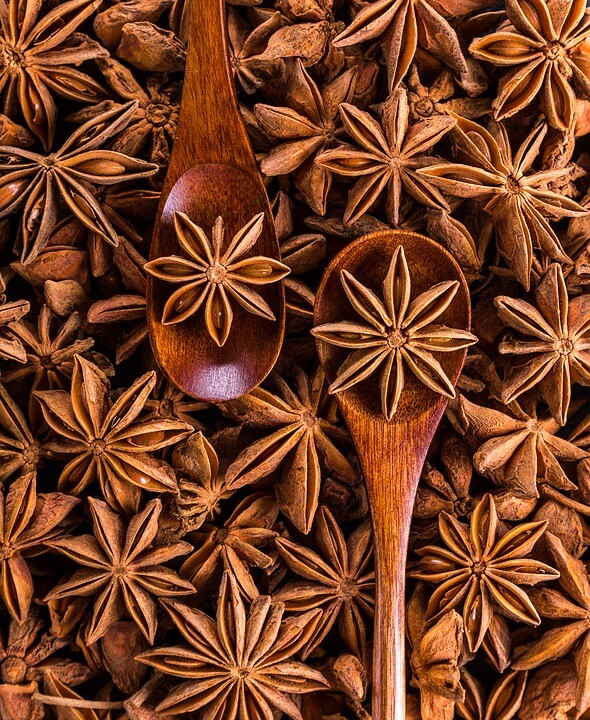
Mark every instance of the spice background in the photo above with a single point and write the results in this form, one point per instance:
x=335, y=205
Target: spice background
x=160, y=557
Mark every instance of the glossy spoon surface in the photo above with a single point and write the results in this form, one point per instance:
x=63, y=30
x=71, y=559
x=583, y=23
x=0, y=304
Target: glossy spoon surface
x=212, y=174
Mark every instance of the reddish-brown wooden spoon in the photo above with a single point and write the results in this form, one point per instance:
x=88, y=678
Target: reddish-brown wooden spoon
x=391, y=453
x=213, y=173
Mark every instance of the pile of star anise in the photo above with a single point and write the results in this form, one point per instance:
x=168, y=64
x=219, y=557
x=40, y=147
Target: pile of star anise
x=162, y=558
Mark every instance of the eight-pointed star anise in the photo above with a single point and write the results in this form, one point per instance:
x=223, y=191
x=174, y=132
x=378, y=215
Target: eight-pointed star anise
x=110, y=441
x=303, y=130
x=339, y=580
x=241, y=665
x=481, y=570
x=121, y=569
x=34, y=183
x=517, y=200
x=402, y=26
x=388, y=157
x=542, y=45
x=397, y=332
x=28, y=522
x=212, y=276
x=299, y=438
x=556, y=351
x=519, y=450
x=37, y=53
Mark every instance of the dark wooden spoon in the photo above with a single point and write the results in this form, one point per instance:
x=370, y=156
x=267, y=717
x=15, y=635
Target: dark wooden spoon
x=213, y=173
x=391, y=453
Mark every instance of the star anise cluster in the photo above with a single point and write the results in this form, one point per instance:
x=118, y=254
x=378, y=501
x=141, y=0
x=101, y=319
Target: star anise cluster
x=162, y=557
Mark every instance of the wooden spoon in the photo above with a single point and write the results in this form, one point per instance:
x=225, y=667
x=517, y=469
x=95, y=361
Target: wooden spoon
x=391, y=453
x=213, y=173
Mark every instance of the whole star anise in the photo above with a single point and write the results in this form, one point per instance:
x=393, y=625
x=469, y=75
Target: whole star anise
x=397, y=333
x=339, y=580
x=543, y=47
x=387, y=157
x=482, y=570
x=309, y=125
x=241, y=665
x=518, y=450
x=121, y=569
x=110, y=441
x=556, y=348
x=33, y=183
x=516, y=199
x=37, y=52
x=299, y=438
x=211, y=275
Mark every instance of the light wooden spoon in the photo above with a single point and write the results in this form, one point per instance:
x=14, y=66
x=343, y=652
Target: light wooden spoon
x=391, y=453
x=213, y=173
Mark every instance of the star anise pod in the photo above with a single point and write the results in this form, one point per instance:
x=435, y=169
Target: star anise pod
x=242, y=543
x=211, y=276
x=11, y=347
x=110, y=441
x=435, y=658
x=402, y=26
x=152, y=127
x=241, y=664
x=387, y=157
x=28, y=524
x=247, y=45
x=20, y=451
x=519, y=450
x=27, y=652
x=121, y=569
x=130, y=311
x=309, y=125
x=202, y=486
x=339, y=579
x=483, y=571
x=556, y=349
x=300, y=439
x=543, y=47
x=37, y=52
x=397, y=333
x=34, y=183
x=572, y=611
x=516, y=199
x=50, y=351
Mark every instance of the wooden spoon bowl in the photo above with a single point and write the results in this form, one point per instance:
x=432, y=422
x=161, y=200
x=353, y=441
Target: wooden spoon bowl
x=391, y=453
x=213, y=173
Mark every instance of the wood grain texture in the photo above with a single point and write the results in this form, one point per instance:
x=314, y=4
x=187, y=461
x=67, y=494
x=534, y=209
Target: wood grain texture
x=213, y=173
x=391, y=453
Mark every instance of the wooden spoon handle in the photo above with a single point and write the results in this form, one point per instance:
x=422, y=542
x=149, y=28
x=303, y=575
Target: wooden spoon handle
x=392, y=459
x=210, y=128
